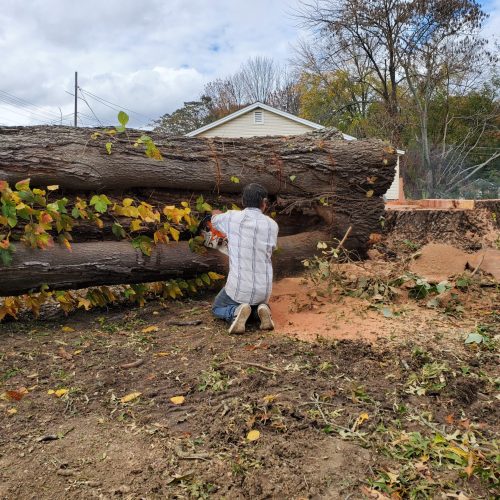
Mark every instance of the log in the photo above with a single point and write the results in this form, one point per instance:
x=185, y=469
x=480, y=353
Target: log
x=316, y=162
x=111, y=263
x=304, y=170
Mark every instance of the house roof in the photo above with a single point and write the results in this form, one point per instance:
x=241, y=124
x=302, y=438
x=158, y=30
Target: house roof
x=261, y=105
x=247, y=109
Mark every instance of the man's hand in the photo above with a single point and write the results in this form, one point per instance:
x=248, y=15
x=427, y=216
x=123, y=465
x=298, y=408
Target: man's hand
x=216, y=212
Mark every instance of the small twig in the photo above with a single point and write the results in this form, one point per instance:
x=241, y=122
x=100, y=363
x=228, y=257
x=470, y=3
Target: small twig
x=318, y=404
x=478, y=266
x=255, y=365
x=195, y=456
x=133, y=364
x=184, y=323
x=54, y=437
x=346, y=235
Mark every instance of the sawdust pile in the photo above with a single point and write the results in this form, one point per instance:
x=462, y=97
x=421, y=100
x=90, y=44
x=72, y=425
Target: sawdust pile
x=438, y=262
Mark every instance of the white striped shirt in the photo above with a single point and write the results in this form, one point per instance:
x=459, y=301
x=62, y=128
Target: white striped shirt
x=251, y=237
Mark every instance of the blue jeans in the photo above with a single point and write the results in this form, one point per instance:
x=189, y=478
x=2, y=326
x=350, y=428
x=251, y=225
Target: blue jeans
x=224, y=307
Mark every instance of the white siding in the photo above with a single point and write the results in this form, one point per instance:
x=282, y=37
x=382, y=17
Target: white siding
x=244, y=126
x=393, y=191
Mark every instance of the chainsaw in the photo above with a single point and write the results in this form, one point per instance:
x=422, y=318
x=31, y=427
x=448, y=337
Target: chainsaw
x=211, y=237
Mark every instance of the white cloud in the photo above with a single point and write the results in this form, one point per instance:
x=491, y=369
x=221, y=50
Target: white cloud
x=148, y=56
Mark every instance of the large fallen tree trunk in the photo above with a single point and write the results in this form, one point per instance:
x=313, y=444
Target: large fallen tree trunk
x=111, y=263
x=302, y=164
x=322, y=175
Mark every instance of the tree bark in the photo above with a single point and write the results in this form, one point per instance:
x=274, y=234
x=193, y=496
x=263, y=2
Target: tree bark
x=305, y=164
x=111, y=263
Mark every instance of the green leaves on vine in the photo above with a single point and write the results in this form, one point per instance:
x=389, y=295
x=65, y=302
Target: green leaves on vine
x=32, y=217
x=6, y=250
x=100, y=203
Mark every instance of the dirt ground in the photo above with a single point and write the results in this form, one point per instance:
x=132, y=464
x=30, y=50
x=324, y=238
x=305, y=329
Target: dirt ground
x=352, y=397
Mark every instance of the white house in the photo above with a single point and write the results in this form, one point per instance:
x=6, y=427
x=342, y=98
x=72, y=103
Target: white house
x=259, y=119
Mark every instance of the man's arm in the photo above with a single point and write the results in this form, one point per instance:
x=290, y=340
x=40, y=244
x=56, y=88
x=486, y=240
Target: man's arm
x=220, y=221
x=275, y=234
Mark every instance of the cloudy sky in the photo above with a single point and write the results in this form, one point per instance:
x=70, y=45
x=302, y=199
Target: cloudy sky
x=147, y=56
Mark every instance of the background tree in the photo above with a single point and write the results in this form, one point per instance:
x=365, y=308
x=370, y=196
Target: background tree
x=401, y=70
x=193, y=115
x=443, y=55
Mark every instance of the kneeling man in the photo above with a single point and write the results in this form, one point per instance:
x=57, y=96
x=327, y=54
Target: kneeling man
x=251, y=237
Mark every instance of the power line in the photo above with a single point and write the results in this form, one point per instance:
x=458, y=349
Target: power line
x=17, y=101
x=88, y=105
x=26, y=114
x=110, y=104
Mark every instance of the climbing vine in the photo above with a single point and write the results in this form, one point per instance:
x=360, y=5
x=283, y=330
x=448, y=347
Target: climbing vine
x=36, y=218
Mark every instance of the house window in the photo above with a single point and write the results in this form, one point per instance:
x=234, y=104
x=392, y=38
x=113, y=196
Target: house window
x=258, y=117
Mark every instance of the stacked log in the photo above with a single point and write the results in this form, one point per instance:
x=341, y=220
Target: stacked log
x=316, y=181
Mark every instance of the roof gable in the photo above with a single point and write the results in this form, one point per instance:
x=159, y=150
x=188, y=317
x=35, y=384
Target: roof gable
x=247, y=109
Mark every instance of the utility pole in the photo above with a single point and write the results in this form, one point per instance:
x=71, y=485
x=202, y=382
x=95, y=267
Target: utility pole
x=76, y=98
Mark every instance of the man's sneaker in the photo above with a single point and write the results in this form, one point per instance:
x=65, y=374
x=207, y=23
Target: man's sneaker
x=266, y=322
x=242, y=313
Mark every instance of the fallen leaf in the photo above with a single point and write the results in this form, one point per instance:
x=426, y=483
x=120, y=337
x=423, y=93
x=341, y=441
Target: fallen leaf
x=67, y=329
x=253, y=435
x=130, y=397
x=470, y=465
x=12, y=411
x=64, y=354
x=161, y=354
x=16, y=395
x=465, y=424
x=360, y=420
x=58, y=393
x=150, y=329
x=449, y=419
x=78, y=351
x=269, y=398
x=177, y=400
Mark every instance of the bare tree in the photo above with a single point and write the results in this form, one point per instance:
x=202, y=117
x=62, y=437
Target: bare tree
x=258, y=79
x=442, y=54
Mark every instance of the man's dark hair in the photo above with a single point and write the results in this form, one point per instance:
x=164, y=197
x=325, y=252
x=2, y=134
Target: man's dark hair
x=253, y=195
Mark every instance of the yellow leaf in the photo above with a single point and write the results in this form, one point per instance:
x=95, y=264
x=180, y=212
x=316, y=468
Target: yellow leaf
x=177, y=400
x=362, y=417
x=58, y=393
x=162, y=354
x=150, y=329
x=135, y=225
x=127, y=202
x=130, y=397
x=175, y=233
x=458, y=451
x=215, y=276
x=85, y=303
x=77, y=352
x=270, y=398
x=53, y=187
x=12, y=411
x=369, y=193
x=253, y=435
x=67, y=329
